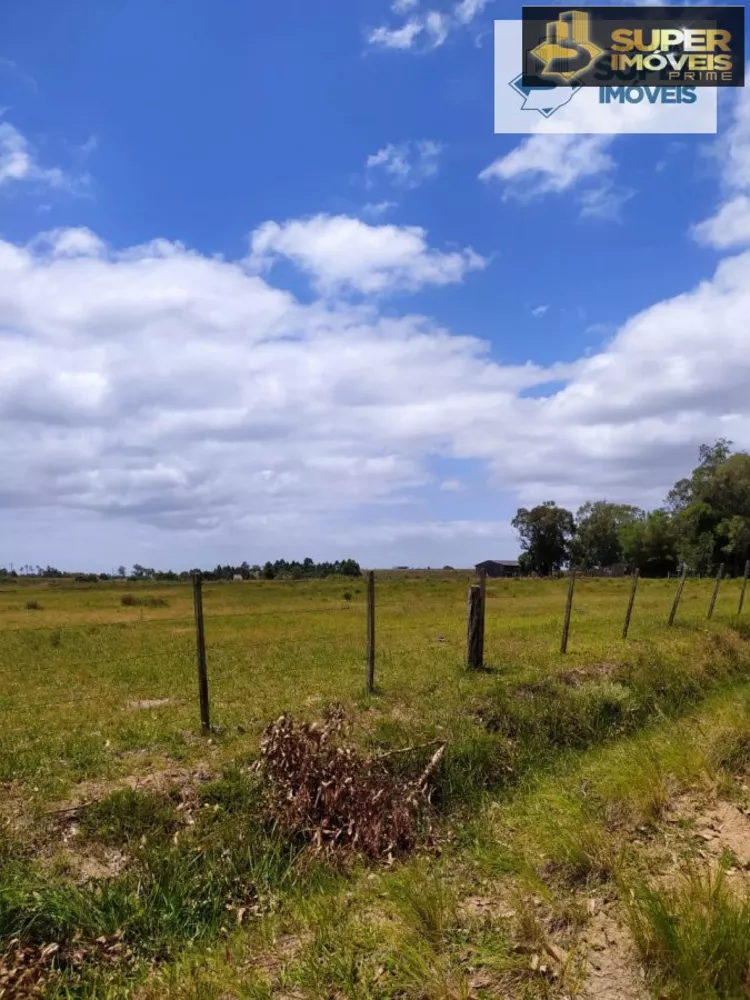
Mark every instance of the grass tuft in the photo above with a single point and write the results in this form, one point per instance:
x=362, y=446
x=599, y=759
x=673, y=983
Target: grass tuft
x=425, y=903
x=127, y=815
x=695, y=937
x=235, y=791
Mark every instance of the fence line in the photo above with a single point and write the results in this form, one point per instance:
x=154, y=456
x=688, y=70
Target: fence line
x=677, y=597
x=568, y=612
x=474, y=622
x=631, y=602
x=370, y=677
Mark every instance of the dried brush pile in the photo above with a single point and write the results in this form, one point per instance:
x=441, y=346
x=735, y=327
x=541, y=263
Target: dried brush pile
x=338, y=798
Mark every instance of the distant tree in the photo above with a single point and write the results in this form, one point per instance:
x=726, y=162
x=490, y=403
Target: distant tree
x=596, y=544
x=711, y=510
x=141, y=572
x=545, y=532
x=649, y=544
x=268, y=571
x=350, y=567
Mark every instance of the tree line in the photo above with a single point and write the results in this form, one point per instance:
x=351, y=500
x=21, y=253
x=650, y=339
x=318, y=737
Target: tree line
x=704, y=522
x=281, y=569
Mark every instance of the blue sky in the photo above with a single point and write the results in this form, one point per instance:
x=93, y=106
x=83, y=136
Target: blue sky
x=225, y=335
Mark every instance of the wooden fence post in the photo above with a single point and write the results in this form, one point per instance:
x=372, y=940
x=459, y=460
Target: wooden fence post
x=370, y=680
x=743, y=588
x=568, y=611
x=483, y=603
x=200, y=641
x=677, y=596
x=631, y=602
x=474, y=637
x=715, y=593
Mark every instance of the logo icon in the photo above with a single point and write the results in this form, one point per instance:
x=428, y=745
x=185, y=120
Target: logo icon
x=546, y=100
x=568, y=50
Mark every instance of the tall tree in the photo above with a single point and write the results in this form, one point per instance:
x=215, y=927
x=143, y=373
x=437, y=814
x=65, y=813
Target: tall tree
x=711, y=509
x=545, y=532
x=597, y=539
x=649, y=544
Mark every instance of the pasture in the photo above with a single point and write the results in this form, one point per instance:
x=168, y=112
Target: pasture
x=123, y=825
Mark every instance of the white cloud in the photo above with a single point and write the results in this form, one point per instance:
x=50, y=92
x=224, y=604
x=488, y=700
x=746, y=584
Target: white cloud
x=539, y=311
x=467, y=10
x=432, y=26
x=730, y=225
x=18, y=163
x=167, y=392
x=377, y=209
x=342, y=253
x=604, y=201
x=734, y=150
x=437, y=26
x=406, y=164
x=396, y=38
x=79, y=242
x=160, y=389
x=544, y=164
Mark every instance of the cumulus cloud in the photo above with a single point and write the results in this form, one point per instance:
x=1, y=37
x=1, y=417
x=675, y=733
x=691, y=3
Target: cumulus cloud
x=406, y=164
x=551, y=164
x=545, y=164
x=424, y=28
x=341, y=253
x=19, y=163
x=155, y=386
x=72, y=242
x=730, y=225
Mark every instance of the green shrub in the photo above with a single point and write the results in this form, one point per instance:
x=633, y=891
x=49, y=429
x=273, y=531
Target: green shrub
x=130, y=601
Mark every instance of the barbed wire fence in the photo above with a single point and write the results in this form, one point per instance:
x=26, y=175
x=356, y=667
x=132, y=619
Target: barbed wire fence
x=374, y=644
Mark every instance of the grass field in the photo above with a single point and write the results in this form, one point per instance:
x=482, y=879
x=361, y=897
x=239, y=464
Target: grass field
x=565, y=807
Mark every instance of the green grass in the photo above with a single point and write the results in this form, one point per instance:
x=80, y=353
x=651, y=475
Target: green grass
x=127, y=815
x=68, y=683
x=563, y=837
x=523, y=738
x=695, y=937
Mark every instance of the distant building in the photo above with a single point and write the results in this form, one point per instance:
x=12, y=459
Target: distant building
x=499, y=567
x=238, y=577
